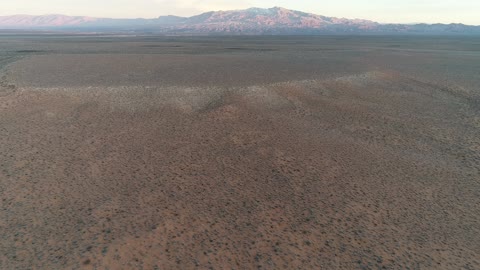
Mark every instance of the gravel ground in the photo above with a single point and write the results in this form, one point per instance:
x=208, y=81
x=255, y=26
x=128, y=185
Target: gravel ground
x=239, y=153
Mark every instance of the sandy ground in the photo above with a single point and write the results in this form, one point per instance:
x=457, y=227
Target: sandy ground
x=254, y=154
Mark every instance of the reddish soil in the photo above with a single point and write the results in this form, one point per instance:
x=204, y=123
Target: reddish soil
x=351, y=168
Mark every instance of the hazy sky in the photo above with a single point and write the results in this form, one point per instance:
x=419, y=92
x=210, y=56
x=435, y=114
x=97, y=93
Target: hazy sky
x=405, y=11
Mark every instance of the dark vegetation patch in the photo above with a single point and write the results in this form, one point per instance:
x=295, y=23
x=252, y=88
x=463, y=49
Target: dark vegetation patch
x=162, y=46
x=29, y=51
x=251, y=49
x=5, y=87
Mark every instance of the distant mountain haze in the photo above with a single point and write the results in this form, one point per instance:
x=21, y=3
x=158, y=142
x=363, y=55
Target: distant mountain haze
x=254, y=21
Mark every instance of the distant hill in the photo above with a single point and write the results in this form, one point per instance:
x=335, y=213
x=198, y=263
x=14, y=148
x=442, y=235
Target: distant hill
x=54, y=20
x=254, y=21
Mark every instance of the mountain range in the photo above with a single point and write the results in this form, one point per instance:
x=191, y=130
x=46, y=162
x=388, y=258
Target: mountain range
x=254, y=21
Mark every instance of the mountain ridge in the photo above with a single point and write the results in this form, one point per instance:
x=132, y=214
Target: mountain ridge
x=275, y=20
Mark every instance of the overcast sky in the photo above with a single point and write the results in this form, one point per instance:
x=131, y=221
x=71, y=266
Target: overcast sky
x=404, y=11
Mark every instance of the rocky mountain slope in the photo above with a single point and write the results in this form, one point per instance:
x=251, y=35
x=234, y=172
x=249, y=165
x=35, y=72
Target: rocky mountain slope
x=274, y=20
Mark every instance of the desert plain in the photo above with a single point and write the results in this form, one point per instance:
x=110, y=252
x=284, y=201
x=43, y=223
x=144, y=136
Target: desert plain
x=290, y=152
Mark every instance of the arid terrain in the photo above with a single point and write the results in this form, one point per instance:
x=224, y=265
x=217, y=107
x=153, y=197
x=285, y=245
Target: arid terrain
x=239, y=153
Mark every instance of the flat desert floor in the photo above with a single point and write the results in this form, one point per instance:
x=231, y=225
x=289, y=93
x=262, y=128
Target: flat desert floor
x=239, y=152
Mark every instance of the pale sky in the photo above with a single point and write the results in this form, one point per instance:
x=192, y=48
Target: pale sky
x=391, y=11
